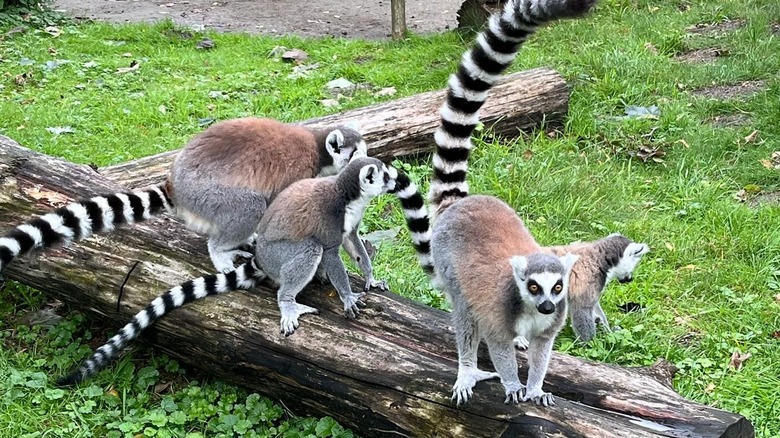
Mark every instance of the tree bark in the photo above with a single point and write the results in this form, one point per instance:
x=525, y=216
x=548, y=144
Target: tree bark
x=387, y=374
x=398, y=19
x=521, y=101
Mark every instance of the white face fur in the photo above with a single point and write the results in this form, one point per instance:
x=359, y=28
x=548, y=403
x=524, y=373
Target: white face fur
x=373, y=181
x=341, y=153
x=624, y=270
x=543, y=289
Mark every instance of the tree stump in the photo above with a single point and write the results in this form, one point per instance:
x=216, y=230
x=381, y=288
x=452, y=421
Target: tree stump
x=387, y=374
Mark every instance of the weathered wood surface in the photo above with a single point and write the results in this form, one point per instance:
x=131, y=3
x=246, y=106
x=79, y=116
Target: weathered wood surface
x=405, y=126
x=387, y=374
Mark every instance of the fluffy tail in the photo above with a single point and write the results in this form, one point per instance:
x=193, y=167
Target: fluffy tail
x=479, y=69
x=82, y=219
x=416, y=216
x=245, y=276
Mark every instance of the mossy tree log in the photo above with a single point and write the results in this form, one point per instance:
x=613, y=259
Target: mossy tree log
x=521, y=101
x=387, y=374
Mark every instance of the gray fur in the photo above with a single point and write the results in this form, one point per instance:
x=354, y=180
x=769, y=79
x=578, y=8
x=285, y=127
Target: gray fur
x=301, y=233
x=614, y=256
x=485, y=262
x=222, y=188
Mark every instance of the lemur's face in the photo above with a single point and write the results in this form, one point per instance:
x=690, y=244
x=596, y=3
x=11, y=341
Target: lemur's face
x=632, y=255
x=376, y=178
x=542, y=279
x=343, y=145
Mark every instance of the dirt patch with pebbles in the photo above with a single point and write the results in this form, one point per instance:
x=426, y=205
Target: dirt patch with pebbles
x=735, y=120
x=716, y=29
x=764, y=198
x=731, y=91
x=701, y=56
x=368, y=19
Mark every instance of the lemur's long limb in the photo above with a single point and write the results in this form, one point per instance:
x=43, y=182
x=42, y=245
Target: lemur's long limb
x=245, y=276
x=82, y=219
x=357, y=252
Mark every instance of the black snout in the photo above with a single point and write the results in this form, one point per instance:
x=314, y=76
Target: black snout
x=546, y=307
x=624, y=280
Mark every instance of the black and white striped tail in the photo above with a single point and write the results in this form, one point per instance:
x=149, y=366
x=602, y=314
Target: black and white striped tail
x=416, y=216
x=480, y=68
x=82, y=219
x=245, y=276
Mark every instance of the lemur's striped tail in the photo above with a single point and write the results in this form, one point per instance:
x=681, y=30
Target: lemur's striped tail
x=245, y=276
x=416, y=216
x=81, y=219
x=480, y=68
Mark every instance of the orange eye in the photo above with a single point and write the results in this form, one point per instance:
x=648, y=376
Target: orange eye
x=558, y=288
x=533, y=288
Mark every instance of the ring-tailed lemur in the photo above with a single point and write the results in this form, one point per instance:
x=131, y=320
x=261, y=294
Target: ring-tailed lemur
x=614, y=256
x=302, y=231
x=220, y=184
x=495, y=274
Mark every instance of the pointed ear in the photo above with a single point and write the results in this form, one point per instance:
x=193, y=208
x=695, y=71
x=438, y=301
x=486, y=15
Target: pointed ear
x=568, y=261
x=368, y=174
x=637, y=249
x=334, y=142
x=519, y=265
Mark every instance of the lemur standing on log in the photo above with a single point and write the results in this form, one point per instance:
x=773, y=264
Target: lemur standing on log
x=299, y=237
x=487, y=263
x=220, y=184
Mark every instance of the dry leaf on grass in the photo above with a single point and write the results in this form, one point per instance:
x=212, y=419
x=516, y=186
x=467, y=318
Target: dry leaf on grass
x=751, y=137
x=135, y=65
x=737, y=359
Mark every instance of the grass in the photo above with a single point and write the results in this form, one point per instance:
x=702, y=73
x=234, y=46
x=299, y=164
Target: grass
x=707, y=289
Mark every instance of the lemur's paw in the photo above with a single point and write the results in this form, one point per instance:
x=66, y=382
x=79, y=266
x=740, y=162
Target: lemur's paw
x=380, y=284
x=238, y=254
x=351, y=303
x=540, y=397
x=514, y=392
x=462, y=390
x=521, y=342
x=290, y=314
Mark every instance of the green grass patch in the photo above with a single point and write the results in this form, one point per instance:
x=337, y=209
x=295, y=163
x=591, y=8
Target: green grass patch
x=708, y=287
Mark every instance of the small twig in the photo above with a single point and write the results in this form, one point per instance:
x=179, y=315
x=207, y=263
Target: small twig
x=122, y=287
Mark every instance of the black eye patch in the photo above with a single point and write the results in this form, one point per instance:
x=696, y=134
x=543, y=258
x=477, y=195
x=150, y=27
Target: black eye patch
x=533, y=287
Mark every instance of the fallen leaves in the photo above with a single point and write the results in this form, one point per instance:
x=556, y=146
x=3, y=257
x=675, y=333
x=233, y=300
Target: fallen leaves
x=294, y=55
x=135, y=65
x=649, y=153
x=773, y=162
x=737, y=359
x=751, y=138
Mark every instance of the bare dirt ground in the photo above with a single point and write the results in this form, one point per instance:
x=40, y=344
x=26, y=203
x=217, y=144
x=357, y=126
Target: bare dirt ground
x=368, y=19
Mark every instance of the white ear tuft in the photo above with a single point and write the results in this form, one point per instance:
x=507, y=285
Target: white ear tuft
x=568, y=261
x=334, y=142
x=368, y=174
x=519, y=265
x=637, y=249
x=353, y=125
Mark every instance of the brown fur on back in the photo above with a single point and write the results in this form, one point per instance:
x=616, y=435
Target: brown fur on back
x=264, y=155
x=588, y=275
x=492, y=234
x=299, y=210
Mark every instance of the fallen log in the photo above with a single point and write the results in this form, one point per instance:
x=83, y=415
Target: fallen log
x=521, y=101
x=387, y=374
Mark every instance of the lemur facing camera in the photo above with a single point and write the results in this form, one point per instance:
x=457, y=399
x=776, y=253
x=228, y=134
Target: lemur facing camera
x=220, y=184
x=299, y=237
x=496, y=276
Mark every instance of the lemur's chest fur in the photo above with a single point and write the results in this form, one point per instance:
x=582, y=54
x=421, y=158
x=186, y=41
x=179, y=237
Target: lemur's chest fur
x=529, y=323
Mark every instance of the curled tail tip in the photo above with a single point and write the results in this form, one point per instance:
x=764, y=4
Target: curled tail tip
x=70, y=380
